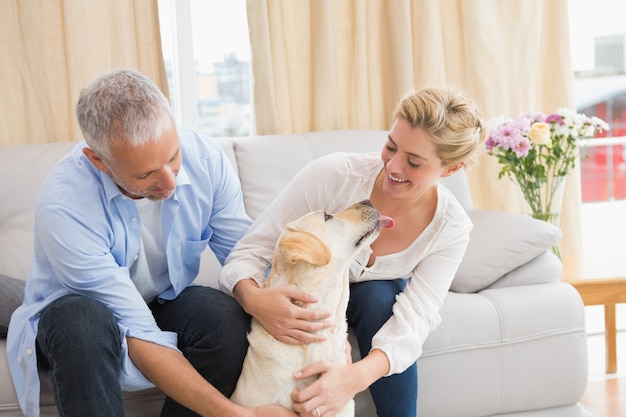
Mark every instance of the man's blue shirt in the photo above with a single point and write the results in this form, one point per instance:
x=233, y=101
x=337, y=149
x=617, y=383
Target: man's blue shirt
x=88, y=234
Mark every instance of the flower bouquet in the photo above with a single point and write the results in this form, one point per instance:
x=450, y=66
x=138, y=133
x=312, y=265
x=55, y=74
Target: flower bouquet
x=537, y=151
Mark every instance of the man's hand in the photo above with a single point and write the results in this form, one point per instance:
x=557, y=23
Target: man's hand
x=279, y=311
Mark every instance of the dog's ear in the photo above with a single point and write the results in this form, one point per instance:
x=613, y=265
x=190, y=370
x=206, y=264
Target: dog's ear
x=297, y=246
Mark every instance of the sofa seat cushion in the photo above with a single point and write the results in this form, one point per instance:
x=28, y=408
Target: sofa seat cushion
x=499, y=243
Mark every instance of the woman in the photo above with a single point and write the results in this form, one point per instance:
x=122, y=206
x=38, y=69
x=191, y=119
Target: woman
x=398, y=284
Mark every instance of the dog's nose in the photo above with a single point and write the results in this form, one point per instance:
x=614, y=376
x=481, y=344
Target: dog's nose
x=366, y=203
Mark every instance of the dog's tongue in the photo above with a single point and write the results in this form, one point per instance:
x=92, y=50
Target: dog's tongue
x=385, y=221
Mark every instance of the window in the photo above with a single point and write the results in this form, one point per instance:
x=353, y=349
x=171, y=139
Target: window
x=598, y=42
x=206, y=52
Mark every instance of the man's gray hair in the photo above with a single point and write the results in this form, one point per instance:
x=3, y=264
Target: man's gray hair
x=121, y=105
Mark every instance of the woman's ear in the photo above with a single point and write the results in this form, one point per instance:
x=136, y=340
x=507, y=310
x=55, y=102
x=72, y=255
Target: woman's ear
x=95, y=160
x=452, y=169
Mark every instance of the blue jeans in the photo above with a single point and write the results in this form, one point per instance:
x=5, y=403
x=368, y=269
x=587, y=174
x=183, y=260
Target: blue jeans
x=369, y=308
x=78, y=342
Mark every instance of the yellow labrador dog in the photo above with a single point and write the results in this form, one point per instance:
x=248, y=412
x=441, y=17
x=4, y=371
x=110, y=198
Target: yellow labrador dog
x=313, y=253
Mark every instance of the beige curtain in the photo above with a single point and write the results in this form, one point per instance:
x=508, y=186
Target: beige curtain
x=53, y=48
x=343, y=64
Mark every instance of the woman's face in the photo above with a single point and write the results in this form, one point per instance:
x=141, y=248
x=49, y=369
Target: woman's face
x=411, y=164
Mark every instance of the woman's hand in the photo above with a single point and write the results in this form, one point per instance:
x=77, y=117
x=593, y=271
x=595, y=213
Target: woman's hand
x=279, y=312
x=336, y=386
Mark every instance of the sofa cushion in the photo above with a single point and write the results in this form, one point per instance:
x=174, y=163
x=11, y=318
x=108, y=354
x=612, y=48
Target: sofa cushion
x=261, y=183
x=499, y=243
x=27, y=166
x=11, y=297
x=543, y=269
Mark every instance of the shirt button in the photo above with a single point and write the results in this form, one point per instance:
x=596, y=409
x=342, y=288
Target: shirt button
x=29, y=352
x=134, y=220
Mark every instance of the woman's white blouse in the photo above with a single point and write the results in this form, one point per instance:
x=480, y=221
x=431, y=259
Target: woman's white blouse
x=333, y=183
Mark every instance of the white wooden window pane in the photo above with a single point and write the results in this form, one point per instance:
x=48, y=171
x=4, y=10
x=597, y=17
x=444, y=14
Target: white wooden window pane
x=206, y=51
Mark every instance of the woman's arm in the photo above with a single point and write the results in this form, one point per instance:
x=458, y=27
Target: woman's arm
x=323, y=184
x=326, y=183
x=417, y=307
x=279, y=315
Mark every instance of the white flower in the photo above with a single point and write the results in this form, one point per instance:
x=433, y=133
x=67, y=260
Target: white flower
x=599, y=123
x=495, y=122
x=588, y=131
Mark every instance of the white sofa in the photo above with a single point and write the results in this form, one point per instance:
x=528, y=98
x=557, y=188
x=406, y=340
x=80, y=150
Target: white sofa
x=512, y=341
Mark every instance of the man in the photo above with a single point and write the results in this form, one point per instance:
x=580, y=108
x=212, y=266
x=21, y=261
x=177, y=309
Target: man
x=120, y=225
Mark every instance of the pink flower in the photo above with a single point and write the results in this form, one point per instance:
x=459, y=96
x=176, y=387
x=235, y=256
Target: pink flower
x=511, y=135
x=555, y=118
x=536, y=148
x=522, y=147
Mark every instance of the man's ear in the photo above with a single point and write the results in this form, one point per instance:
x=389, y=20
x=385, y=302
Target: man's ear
x=95, y=160
x=452, y=169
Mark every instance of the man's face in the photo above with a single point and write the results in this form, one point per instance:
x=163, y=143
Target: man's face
x=147, y=171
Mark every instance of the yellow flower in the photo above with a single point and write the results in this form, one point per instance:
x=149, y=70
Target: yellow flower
x=540, y=134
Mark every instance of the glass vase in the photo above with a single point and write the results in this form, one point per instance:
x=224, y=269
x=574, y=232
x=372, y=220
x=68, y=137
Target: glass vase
x=544, y=202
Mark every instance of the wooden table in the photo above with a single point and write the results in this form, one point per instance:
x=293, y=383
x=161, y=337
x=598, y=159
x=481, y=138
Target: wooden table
x=600, y=280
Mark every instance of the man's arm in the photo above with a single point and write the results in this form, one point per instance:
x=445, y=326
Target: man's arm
x=176, y=377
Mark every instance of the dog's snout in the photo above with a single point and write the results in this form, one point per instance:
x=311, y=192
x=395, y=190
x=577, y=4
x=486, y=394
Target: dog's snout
x=367, y=210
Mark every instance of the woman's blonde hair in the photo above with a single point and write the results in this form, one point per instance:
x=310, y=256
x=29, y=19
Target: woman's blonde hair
x=451, y=120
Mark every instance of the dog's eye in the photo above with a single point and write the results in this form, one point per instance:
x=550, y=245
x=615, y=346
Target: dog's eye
x=327, y=216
